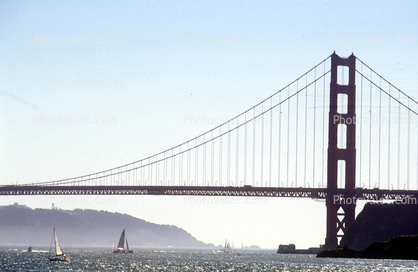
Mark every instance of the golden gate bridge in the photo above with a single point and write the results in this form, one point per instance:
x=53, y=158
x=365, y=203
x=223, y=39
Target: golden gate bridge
x=340, y=132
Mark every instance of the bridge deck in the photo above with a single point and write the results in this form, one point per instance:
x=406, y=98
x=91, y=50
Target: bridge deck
x=249, y=191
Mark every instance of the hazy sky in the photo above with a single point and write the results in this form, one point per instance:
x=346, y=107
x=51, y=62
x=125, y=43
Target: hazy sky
x=90, y=85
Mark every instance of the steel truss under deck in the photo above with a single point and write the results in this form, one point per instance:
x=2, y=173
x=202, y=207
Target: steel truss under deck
x=342, y=195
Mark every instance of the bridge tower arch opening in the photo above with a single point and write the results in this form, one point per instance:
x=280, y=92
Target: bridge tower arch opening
x=341, y=207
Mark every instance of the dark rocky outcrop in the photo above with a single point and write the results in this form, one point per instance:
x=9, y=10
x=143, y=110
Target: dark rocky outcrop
x=380, y=222
x=400, y=247
x=381, y=231
x=21, y=225
x=340, y=252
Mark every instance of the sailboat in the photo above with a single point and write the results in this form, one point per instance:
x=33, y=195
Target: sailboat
x=227, y=247
x=59, y=254
x=121, y=245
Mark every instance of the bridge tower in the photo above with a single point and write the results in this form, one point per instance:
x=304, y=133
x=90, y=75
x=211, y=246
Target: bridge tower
x=341, y=150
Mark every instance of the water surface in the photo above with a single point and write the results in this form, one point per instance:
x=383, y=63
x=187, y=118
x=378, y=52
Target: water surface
x=189, y=260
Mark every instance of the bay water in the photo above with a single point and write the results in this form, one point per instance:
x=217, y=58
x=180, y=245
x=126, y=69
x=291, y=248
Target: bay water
x=190, y=260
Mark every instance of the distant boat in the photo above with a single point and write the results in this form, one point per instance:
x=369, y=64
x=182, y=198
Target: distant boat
x=121, y=245
x=242, y=248
x=227, y=247
x=58, y=255
x=30, y=249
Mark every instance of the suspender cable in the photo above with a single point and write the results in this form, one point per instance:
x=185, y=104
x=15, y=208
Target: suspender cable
x=389, y=142
x=254, y=128
x=408, y=149
x=380, y=131
x=196, y=168
x=279, y=142
x=220, y=158
x=204, y=162
x=245, y=149
x=314, y=138
x=306, y=125
x=237, y=157
x=228, y=177
x=288, y=137
x=361, y=129
x=370, y=134
x=142, y=173
x=212, y=156
x=165, y=171
x=296, y=137
x=262, y=147
x=180, y=166
x=271, y=140
x=399, y=141
x=188, y=164
x=324, y=163
x=149, y=172
x=157, y=171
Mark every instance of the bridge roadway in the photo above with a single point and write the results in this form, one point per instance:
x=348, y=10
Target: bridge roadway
x=315, y=193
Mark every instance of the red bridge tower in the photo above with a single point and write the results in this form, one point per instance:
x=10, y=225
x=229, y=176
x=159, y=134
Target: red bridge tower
x=341, y=149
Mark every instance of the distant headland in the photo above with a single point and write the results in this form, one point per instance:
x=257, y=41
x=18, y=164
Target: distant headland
x=21, y=225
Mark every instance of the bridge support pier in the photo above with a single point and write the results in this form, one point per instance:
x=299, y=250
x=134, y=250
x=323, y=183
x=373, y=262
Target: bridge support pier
x=341, y=150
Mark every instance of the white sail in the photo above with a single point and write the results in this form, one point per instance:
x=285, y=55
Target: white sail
x=127, y=245
x=121, y=244
x=58, y=250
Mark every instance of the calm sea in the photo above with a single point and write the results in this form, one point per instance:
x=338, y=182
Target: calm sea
x=148, y=260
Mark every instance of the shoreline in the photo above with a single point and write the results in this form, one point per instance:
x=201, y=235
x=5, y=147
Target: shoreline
x=403, y=247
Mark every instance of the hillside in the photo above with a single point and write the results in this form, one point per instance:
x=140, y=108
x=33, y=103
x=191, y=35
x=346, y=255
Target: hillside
x=380, y=222
x=21, y=225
